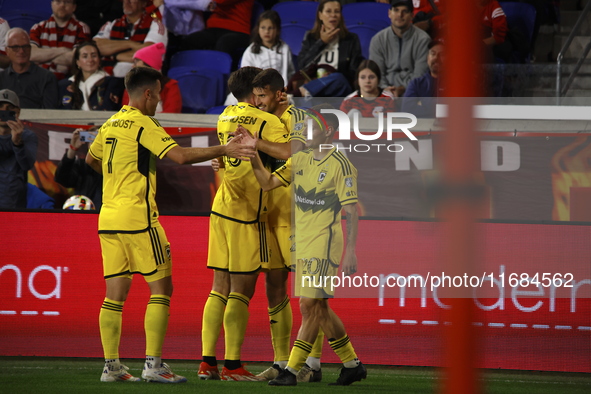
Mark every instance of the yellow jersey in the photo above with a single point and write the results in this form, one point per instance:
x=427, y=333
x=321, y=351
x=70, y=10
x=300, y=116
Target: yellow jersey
x=320, y=189
x=128, y=144
x=240, y=197
x=280, y=198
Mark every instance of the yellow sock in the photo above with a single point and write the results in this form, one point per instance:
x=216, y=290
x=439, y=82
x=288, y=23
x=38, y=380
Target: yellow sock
x=281, y=321
x=235, y=321
x=317, y=347
x=299, y=353
x=343, y=348
x=213, y=316
x=156, y=323
x=110, y=326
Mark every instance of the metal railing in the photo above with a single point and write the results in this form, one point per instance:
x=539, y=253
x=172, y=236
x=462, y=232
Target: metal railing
x=560, y=90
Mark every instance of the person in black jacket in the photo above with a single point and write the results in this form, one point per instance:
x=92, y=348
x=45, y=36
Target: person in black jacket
x=72, y=171
x=329, y=43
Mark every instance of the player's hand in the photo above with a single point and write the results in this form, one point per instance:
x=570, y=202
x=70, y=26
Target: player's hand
x=349, y=263
x=246, y=138
x=16, y=129
x=283, y=99
x=215, y=165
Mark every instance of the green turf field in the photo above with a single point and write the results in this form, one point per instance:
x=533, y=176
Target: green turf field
x=73, y=375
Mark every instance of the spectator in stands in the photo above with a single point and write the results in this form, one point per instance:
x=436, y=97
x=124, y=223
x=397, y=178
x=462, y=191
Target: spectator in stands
x=54, y=39
x=227, y=29
x=72, y=171
x=170, y=95
x=90, y=88
x=4, y=60
x=18, y=149
x=428, y=16
x=267, y=49
x=35, y=86
x=419, y=91
x=119, y=40
x=401, y=49
x=181, y=18
x=96, y=13
x=494, y=21
x=330, y=43
x=369, y=99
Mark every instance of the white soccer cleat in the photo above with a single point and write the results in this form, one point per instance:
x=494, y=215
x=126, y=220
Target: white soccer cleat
x=163, y=374
x=117, y=373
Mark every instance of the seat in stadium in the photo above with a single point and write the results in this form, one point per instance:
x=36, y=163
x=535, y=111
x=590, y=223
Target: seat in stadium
x=203, y=59
x=23, y=19
x=368, y=14
x=217, y=110
x=293, y=34
x=200, y=89
x=365, y=34
x=297, y=12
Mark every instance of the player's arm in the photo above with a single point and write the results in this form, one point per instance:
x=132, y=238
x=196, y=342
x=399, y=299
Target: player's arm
x=350, y=256
x=95, y=164
x=267, y=180
x=234, y=148
x=278, y=150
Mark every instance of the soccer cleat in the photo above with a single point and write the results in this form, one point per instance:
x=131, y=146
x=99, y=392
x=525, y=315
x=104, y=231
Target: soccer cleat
x=350, y=375
x=162, y=375
x=117, y=373
x=307, y=374
x=285, y=378
x=207, y=372
x=238, y=374
x=270, y=373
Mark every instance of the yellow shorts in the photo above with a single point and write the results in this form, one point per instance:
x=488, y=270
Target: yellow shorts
x=146, y=253
x=238, y=247
x=313, y=278
x=282, y=246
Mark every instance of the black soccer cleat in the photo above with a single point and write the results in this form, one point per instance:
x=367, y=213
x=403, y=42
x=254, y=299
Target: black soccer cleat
x=350, y=375
x=285, y=378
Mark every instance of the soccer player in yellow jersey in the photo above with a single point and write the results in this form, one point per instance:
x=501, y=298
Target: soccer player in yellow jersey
x=268, y=89
x=323, y=182
x=238, y=239
x=132, y=240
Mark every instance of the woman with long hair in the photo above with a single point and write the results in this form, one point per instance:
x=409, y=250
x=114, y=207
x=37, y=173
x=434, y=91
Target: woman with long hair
x=90, y=88
x=369, y=100
x=329, y=43
x=267, y=49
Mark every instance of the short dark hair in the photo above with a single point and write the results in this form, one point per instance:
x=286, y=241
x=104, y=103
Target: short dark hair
x=141, y=78
x=240, y=82
x=434, y=43
x=269, y=77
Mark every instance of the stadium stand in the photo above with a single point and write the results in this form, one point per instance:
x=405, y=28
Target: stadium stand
x=366, y=14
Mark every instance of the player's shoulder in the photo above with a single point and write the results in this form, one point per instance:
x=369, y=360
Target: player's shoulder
x=297, y=113
x=342, y=162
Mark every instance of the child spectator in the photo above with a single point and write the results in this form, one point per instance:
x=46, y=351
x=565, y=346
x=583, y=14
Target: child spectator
x=90, y=88
x=369, y=99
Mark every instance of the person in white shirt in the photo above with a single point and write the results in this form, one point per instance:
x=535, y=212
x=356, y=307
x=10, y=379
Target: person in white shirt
x=267, y=49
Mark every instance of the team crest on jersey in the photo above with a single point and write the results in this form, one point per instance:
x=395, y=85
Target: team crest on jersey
x=349, y=181
x=321, y=176
x=168, y=251
x=298, y=126
x=377, y=111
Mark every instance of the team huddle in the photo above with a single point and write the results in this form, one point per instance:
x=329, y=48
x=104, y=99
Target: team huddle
x=268, y=169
